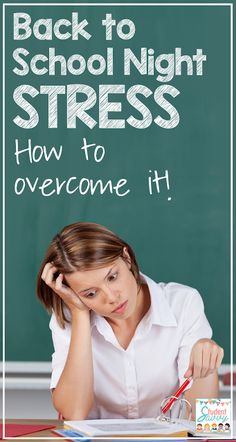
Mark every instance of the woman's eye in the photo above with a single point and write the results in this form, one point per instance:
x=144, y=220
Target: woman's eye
x=113, y=276
x=90, y=294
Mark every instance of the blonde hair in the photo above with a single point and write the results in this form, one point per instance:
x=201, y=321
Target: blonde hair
x=81, y=246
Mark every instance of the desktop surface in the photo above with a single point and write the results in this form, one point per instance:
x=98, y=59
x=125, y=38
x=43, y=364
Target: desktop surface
x=44, y=434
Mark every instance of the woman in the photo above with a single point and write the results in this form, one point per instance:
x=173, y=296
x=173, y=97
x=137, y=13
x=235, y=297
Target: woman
x=122, y=342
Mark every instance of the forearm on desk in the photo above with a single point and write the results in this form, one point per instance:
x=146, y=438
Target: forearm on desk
x=73, y=395
x=203, y=388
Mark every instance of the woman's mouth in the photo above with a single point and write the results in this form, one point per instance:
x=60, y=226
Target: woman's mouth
x=121, y=308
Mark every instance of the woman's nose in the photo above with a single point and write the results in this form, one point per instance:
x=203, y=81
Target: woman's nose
x=112, y=296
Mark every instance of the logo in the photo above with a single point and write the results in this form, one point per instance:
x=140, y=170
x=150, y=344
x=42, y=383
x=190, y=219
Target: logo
x=213, y=416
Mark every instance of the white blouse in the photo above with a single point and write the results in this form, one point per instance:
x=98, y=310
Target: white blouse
x=132, y=383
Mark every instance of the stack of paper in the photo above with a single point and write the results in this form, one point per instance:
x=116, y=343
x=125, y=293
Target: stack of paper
x=131, y=427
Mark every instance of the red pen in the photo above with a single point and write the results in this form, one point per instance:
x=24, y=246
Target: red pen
x=176, y=395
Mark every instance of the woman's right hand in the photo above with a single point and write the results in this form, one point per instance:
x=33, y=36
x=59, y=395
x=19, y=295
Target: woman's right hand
x=66, y=293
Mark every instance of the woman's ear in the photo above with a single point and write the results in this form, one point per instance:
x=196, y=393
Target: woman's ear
x=126, y=256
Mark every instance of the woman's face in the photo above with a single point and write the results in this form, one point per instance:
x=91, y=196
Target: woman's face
x=110, y=291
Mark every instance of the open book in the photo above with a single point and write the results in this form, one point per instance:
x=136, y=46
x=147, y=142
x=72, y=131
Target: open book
x=132, y=427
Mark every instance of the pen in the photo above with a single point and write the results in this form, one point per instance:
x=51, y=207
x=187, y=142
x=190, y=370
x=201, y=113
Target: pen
x=176, y=395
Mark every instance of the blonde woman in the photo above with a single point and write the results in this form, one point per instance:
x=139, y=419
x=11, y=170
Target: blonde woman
x=122, y=341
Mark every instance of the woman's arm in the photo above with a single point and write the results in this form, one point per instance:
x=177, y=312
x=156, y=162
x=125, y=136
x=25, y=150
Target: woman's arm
x=203, y=388
x=205, y=359
x=73, y=395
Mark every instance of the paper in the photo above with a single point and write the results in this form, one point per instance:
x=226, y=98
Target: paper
x=71, y=434
x=130, y=426
x=14, y=430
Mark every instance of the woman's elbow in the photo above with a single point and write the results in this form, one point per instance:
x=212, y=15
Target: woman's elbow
x=76, y=416
x=64, y=410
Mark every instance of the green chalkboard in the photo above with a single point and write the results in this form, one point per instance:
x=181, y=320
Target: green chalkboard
x=179, y=225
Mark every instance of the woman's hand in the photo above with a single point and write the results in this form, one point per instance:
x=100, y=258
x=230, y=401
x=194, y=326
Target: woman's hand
x=66, y=293
x=206, y=357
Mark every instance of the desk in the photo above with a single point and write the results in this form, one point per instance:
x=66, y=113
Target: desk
x=47, y=433
x=59, y=424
